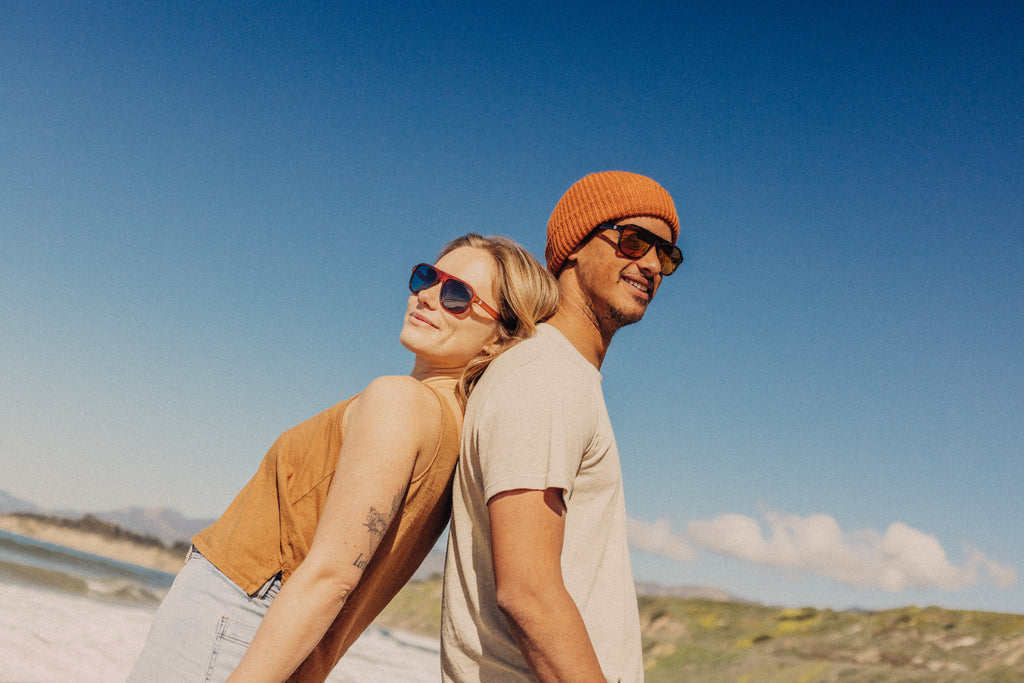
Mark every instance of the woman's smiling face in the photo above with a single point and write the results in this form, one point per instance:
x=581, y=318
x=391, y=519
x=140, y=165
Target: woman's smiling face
x=444, y=340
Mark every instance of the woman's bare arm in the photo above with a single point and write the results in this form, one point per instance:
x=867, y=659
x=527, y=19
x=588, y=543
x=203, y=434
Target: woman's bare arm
x=388, y=425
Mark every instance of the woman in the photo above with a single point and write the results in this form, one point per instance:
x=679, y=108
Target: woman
x=346, y=505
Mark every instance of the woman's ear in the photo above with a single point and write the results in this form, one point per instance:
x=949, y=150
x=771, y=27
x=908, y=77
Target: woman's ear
x=492, y=348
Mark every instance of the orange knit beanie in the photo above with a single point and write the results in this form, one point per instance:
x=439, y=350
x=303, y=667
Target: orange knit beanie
x=599, y=198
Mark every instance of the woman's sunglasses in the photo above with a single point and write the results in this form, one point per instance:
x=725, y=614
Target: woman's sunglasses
x=634, y=242
x=456, y=295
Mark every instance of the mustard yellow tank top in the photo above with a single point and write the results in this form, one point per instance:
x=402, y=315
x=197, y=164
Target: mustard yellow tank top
x=269, y=526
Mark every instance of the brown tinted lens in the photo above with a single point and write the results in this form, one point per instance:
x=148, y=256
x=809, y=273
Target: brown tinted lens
x=631, y=243
x=670, y=257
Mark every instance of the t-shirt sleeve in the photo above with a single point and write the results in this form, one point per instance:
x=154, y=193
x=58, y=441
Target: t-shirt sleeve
x=532, y=430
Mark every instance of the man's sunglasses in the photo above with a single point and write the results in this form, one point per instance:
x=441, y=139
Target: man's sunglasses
x=634, y=242
x=456, y=295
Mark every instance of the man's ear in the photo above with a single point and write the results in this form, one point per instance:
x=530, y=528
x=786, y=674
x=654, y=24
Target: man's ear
x=572, y=257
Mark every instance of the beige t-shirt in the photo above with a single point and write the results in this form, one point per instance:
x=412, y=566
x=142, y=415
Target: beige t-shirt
x=536, y=420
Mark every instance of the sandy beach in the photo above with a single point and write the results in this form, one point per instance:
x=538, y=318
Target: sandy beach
x=47, y=637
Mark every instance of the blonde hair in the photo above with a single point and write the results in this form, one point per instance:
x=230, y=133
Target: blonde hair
x=527, y=296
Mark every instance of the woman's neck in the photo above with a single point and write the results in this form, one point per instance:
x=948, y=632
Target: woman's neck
x=433, y=375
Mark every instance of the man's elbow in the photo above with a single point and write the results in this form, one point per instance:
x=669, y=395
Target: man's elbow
x=514, y=609
x=519, y=602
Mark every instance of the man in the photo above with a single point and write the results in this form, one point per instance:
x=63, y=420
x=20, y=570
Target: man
x=537, y=580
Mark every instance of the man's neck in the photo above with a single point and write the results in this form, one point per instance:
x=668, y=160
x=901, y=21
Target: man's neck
x=578, y=324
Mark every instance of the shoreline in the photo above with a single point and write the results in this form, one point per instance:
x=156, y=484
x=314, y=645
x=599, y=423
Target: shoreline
x=151, y=557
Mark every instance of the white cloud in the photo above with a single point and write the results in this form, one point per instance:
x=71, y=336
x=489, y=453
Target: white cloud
x=999, y=575
x=901, y=558
x=658, y=539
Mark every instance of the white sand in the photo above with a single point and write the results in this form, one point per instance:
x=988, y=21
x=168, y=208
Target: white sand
x=48, y=637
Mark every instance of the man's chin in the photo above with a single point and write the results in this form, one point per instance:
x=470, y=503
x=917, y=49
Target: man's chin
x=622, y=317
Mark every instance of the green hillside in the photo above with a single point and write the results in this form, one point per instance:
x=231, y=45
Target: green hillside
x=712, y=642
x=719, y=642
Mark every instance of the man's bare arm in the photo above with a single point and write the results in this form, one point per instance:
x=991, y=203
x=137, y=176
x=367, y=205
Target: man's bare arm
x=527, y=530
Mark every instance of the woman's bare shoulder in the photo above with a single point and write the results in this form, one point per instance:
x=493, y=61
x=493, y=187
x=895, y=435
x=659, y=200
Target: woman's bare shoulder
x=397, y=389
x=396, y=409
x=398, y=398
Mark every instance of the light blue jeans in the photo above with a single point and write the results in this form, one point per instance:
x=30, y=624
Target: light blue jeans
x=203, y=626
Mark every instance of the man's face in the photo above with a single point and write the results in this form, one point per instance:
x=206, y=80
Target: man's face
x=616, y=287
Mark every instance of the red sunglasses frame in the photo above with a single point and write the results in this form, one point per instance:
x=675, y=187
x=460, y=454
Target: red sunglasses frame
x=442, y=278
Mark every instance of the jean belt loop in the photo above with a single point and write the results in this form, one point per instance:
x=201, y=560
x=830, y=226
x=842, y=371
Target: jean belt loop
x=268, y=591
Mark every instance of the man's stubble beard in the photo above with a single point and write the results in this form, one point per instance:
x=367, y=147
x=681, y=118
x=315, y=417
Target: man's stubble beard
x=611, y=318
x=617, y=319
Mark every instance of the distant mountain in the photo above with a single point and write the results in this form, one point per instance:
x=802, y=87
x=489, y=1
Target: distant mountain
x=687, y=592
x=168, y=525
x=9, y=503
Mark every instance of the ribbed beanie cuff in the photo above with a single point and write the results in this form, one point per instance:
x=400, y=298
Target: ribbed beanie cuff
x=599, y=198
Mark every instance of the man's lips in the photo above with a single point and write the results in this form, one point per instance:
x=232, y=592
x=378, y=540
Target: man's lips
x=641, y=285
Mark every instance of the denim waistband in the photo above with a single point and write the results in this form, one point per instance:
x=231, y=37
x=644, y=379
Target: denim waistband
x=267, y=592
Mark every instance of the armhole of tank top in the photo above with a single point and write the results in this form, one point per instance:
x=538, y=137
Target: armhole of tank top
x=445, y=426
x=343, y=422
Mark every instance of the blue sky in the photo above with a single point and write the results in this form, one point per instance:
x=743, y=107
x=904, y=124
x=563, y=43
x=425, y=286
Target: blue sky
x=208, y=213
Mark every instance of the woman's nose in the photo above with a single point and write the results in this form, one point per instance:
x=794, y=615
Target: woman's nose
x=430, y=296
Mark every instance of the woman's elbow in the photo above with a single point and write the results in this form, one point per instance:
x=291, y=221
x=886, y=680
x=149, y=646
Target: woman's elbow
x=338, y=588
x=326, y=580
